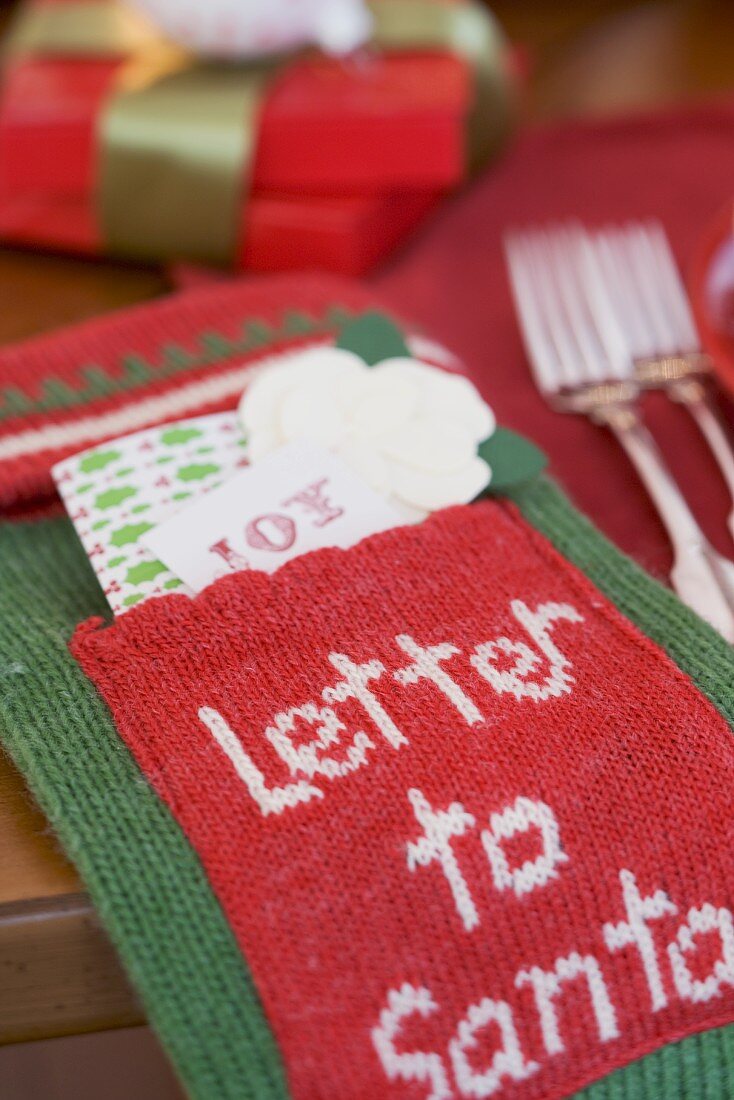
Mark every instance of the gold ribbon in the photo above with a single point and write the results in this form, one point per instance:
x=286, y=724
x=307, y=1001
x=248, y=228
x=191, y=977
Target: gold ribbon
x=83, y=28
x=178, y=136
x=177, y=140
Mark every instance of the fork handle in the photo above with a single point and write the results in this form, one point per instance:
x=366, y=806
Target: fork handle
x=692, y=575
x=692, y=394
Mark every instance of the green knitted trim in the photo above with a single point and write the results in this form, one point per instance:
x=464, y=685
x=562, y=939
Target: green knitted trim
x=698, y=1068
x=211, y=347
x=144, y=878
x=694, y=646
x=701, y=1066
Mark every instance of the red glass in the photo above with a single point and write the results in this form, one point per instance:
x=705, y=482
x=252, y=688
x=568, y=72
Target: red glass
x=712, y=293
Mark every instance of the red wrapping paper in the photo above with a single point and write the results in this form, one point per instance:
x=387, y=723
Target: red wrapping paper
x=347, y=234
x=375, y=123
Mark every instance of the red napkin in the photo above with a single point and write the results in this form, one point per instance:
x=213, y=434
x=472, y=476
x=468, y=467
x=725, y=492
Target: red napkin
x=678, y=166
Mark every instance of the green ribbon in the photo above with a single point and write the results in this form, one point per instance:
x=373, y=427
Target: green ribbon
x=178, y=136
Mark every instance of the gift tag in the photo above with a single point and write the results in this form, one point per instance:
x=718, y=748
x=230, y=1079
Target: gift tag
x=299, y=498
x=119, y=490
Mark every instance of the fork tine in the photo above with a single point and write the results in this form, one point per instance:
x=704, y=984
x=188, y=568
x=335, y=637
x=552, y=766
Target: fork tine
x=623, y=288
x=552, y=353
x=540, y=350
x=571, y=341
x=603, y=310
x=644, y=269
x=647, y=285
x=578, y=357
x=671, y=286
x=548, y=283
x=562, y=245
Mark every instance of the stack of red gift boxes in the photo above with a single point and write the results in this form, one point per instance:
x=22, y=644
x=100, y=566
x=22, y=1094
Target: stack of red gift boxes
x=350, y=156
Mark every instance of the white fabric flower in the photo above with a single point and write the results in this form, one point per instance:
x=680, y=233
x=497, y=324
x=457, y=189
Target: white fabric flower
x=252, y=28
x=410, y=430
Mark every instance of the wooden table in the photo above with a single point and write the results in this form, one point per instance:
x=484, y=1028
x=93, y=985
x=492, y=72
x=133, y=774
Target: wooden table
x=59, y=974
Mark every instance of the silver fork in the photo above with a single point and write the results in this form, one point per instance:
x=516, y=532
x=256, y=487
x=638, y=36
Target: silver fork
x=581, y=364
x=653, y=310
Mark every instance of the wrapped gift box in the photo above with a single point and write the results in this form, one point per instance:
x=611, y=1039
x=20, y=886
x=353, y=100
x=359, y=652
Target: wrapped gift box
x=325, y=126
x=348, y=155
x=346, y=234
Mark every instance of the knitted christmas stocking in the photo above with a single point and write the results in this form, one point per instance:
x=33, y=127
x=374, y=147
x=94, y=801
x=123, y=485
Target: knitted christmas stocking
x=447, y=814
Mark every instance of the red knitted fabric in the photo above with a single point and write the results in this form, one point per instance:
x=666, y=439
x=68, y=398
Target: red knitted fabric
x=472, y=830
x=179, y=357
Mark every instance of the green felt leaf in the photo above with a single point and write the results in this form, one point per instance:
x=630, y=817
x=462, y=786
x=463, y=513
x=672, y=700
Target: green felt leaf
x=514, y=460
x=373, y=337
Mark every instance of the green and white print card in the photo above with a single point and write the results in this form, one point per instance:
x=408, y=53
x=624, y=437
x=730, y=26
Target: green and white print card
x=117, y=491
